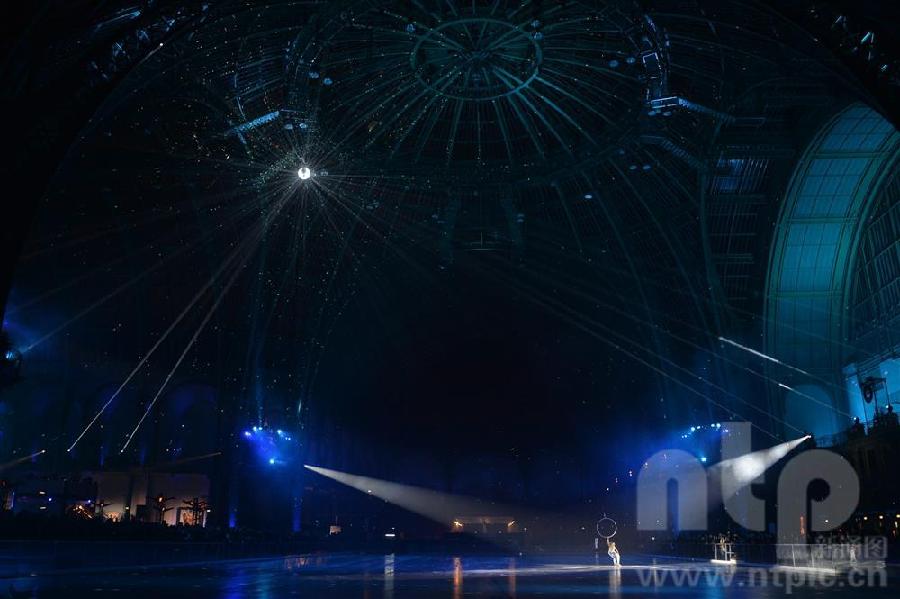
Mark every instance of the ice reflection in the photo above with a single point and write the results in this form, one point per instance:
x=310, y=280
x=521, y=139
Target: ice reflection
x=389, y=576
x=457, y=578
x=615, y=583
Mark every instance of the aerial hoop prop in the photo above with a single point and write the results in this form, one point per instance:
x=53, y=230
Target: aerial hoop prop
x=607, y=527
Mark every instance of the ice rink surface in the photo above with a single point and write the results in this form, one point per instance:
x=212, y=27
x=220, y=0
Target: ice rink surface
x=418, y=576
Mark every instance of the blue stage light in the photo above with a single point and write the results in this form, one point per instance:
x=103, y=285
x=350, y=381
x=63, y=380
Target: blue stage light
x=272, y=461
x=10, y=355
x=703, y=459
x=248, y=434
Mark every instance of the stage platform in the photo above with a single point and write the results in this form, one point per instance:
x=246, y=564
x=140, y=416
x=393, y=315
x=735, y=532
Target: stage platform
x=419, y=577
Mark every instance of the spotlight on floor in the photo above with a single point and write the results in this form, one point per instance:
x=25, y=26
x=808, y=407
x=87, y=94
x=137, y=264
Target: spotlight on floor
x=304, y=173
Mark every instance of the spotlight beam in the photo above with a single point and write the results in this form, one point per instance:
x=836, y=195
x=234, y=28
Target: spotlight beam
x=737, y=473
x=241, y=249
x=199, y=295
x=759, y=354
x=181, y=358
x=440, y=507
x=21, y=460
x=592, y=295
x=580, y=321
x=253, y=243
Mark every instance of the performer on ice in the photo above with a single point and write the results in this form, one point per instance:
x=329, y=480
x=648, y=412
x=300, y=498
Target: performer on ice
x=607, y=529
x=613, y=552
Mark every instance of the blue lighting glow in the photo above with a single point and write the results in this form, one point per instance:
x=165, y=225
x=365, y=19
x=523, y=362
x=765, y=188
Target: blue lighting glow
x=274, y=447
x=716, y=427
x=10, y=355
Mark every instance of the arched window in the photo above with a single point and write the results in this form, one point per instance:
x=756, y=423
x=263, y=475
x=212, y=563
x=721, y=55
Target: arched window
x=815, y=246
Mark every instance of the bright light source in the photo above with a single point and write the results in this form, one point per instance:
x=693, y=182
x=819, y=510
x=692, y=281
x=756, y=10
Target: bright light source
x=272, y=461
x=304, y=173
x=743, y=470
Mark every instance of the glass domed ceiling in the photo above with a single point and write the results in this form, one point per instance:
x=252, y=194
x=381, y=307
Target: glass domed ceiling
x=508, y=84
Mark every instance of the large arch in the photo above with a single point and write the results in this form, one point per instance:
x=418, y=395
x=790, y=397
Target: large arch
x=815, y=246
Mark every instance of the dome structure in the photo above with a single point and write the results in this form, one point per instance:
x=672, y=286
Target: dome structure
x=503, y=86
x=259, y=192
